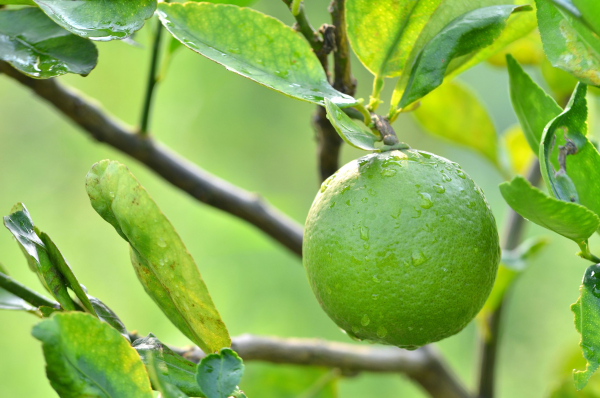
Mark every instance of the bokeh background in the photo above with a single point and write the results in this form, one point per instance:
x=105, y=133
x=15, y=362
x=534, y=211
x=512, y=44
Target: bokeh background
x=263, y=142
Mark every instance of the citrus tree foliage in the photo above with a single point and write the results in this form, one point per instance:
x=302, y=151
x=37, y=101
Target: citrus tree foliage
x=423, y=45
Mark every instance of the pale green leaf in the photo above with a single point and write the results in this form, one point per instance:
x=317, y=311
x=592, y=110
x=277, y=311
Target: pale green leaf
x=166, y=389
x=467, y=33
x=526, y=50
x=533, y=107
x=88, y=358
x=161, y=261
x=252, y=45
x=589, y=10
x=570, y=220
x=568, y=43
x=452, y=111
x=587, y=323
x=353, y=132
x=36, y=46
x=99, y=19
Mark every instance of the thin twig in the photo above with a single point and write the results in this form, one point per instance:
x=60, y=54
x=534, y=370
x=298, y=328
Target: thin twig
x=22, y=291
x=186, y=176
x=152, y=80
x=489, y=350
x=310, y=34
x=424, y=365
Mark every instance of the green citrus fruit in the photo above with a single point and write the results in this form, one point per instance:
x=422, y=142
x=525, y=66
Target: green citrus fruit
x=401, y=248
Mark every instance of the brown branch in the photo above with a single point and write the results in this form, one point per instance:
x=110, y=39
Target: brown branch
x=489, y=349
x=424, y=366
x=179, y=172
x=310, y=34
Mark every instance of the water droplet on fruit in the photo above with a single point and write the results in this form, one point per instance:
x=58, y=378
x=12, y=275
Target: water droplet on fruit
x=375, y=296
x=445, y=178
x=381, y=332
x=345, y=189
x=471, y=204
x=365, y=320
x=348, y=202
x=418, y=213
x=332, y=205
x=371, y=192
x=439, y=188
x=388, y=172
x=376, y=279
x=161, y=242
x=461, y=174
x=111, y=194
x=364, y=233
x=426, y=202
x=418, y=257
x=355, y=329
x=395, y=216
x=591, y=280
x=364, y=200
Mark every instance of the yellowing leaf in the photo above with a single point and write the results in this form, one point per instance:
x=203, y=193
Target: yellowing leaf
x=519, y=152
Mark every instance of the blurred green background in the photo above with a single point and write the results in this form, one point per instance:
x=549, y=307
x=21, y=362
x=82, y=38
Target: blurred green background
x=263, y=142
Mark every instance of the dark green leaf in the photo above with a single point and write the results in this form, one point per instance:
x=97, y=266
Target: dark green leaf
x=353, y=132
x=38, y=47
x=9, y=285
x=106, y=314
x=253, y=45
x=63, y=267
x=467, y=33
x=99, y=19
x=570, y=220
x=9, y=301
x=587, y=323
x=218, y=375
x=453, y=112
x=172, y=367
x=583, y=167
x=534, y=108
x=88, y=358
x=568, y=43
x=166, y=389
x=162, y=263
x=19, y=223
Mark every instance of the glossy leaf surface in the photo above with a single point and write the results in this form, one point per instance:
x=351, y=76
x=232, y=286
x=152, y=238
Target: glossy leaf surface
x=570, y=220
x=36, y=46
x=161, y=261
x=354, y=133
x=383, y=33
x=86, y=357
x=9, y=301
x=173, y=368
x=533, y=107
x=19, y=223
x=587, y=323
x=219, y=374
x=568, y=43
x=106, y=314
x=582, y=167
x=452, y=111
x=467, y=33
x=99, y=19
x=252, y=45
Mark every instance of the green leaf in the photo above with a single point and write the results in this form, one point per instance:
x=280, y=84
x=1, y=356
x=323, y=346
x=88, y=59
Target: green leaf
x=63, y=267
x=88, y=358
x=162, y=263
x=218, y=375
x=589, y=11
x=452, y=111
x=467, y=33
x=39, y=48
x=382, y=33
x=239, y=3
x=570, y=220
x=353, y=132
x=252, y=45
x=9, y=301
x=99, y=19
x=533, y=107
x=587, y=323
x=173, y=368
x=107, y=315
x=582, y=173
x=166, y=389
x=19, y=223
x=568, y=43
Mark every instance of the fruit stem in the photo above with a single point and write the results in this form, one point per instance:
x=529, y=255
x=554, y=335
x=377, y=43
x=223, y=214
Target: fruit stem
x=388, y=135
x=586, y=254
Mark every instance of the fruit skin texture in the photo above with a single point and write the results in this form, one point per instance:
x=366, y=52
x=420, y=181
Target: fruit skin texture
x=401, y=248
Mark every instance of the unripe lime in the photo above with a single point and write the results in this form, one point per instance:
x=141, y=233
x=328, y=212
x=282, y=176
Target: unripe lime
x=401, y=248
